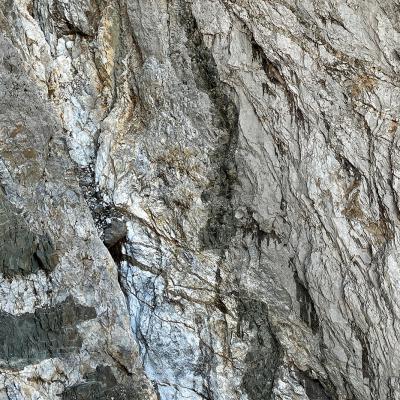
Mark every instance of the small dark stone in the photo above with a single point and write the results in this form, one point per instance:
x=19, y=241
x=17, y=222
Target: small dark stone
x=114, y=232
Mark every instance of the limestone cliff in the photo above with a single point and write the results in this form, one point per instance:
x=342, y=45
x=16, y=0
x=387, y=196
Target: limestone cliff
x=199, y=199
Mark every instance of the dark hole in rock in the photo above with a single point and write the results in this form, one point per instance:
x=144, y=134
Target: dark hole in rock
x=308, y=313
x=313, y=387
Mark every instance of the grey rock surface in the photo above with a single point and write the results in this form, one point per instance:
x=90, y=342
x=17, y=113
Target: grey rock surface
x=199, y=199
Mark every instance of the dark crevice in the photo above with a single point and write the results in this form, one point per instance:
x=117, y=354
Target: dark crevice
x=308, y=313
x=273, y=72
x=116, y=251
x=218, y=302
x=366, y=367
x=313, y=387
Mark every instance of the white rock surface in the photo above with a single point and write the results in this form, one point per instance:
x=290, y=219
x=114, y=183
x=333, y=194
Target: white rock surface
x=240, y=162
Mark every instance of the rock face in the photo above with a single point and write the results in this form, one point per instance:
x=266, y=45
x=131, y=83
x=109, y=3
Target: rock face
x=199, y=199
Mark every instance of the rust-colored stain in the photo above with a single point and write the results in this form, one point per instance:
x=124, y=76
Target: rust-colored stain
x=29, y=153
x=16, y=130
x=393, y=127
x=364, y=83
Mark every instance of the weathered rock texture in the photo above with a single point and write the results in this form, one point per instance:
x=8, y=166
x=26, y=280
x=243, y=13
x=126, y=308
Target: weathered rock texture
x=199, y=199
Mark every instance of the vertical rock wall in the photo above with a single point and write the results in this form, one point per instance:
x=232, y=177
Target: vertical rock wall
x=199, y=199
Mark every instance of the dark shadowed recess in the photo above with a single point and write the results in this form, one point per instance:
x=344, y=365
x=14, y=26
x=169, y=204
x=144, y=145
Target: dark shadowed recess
x=60, y=17
x=312, y=387
x=48, y=332
x=308, y=313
